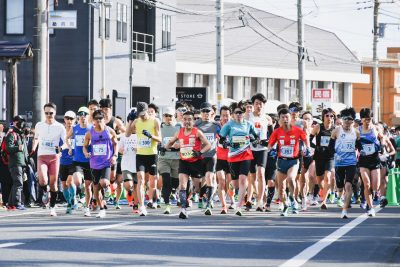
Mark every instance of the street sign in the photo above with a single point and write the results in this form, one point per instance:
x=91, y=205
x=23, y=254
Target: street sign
x=62, y=19
x=192, y=95
x=321, y=98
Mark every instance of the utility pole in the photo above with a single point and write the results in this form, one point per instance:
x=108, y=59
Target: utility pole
x=103, y=92
x=40, y=60
x=301, y=54
x=220, y=52
x=375, y=78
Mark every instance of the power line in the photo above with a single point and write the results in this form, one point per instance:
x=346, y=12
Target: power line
x=205, y=33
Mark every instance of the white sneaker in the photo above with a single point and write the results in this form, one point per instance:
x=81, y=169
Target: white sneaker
x=303, y=204
x=142, y=211
x=344, y=214
x=87, y=212
x=45, y=198
x=196, y=198
x=154, y=205
x=53, y=212
x=101, y=214
x=371, y=212
x=281, y=206
x=183, y=214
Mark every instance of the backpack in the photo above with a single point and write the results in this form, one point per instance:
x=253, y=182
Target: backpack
x=5, y=156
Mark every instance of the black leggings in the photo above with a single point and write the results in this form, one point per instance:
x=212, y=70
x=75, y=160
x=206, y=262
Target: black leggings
x=168, y=183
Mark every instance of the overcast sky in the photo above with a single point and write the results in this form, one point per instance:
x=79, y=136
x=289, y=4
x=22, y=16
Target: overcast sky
x=351, y=20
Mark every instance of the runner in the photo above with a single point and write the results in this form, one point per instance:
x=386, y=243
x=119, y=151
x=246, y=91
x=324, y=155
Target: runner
x=190, y=165
x=238, y=134
x=93, y=105
x=260, y=122
x=103, y=142
x=148, y=135
x=153, y=114
x=223, y=169
x=344, y=140
x=80, y=162
x=210, y=129
x=369, y=161
x=168, y=161
x=47, y=136
x=66, y=165
x=324, y=164
x=287, y=137
x=118, y=126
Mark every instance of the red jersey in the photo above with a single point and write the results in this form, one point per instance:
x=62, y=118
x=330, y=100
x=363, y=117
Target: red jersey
x=288, y=142
x=188, y=144
x=222, y=153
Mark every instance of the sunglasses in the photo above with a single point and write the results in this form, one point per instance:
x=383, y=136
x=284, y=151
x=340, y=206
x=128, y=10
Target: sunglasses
x=329, y=116
x=347, y=119
x=98, y=118
x=167, y=116
x=82, y=114
x=238, y=112
x=206, y=110
x=69, y=118
x=182, y=110
x=49, y=113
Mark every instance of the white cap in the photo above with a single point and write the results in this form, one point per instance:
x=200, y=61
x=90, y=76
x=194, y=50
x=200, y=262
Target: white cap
x=169, y=111
x=70, y=114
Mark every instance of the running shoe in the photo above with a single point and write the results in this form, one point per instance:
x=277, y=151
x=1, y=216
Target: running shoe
x=20, y=207
x=331, y=198
x=142, y=211
x=323, y=206
x=259, y=209
x=285, y=211
x=371, y=212
x=358, y=201
x=45, y=198
x=200, y=205
x=224, y=210
x=212, y=204
x=167, y=209
x=87, y=212
x=107, y=192
x=135, y=209
x=189, y=203
x=11, y=208
x=158, y=204
x=149, y=205
x=173, y=200
x=303, y=204
x=183, y=214
x=249, y=205
x=154, y=205
x=295, y=207
x=363, y=205
x=314, y=201
x=196, y=198
x=232, y=206
x=53, y=212
x=69, y=209
x=267, y=208
x=344, y=214
x=281, y=206
x=101, y=214
x=239, y=212
x=383, y=202
x=117, y=207
x=340, y=203
x=208, y=211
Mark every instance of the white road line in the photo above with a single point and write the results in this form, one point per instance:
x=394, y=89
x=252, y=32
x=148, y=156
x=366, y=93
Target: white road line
x=7, y=245
x=313, y=250
x=103, y=227
x=2, y=215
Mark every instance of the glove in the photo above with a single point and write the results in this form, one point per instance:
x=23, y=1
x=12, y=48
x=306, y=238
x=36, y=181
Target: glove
x=162, y=150
x=273, y=153
x=264, y=142
x=147, y=133
x=225, y=144
x=132, y=115
x=197, y=154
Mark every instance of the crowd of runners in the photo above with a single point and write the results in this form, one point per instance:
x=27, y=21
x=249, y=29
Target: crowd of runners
x=243, y=158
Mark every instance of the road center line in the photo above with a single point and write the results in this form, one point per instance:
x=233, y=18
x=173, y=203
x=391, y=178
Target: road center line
x=6, y=245
x=103, y=227
x=313, y=250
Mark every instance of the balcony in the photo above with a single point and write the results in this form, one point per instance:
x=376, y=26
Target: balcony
x=142, y=46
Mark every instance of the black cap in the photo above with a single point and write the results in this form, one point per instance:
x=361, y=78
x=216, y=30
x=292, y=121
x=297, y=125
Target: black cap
x=141, y=106
x=18, y=118
x=205, y=105
x=105, y=103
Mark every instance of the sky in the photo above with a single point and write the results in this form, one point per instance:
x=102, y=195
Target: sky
x=350, y=20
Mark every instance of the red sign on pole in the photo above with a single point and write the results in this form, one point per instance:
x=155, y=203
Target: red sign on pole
x=321, y=94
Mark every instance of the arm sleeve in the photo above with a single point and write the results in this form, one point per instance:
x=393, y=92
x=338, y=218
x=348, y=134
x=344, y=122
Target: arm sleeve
x=359, y=145
x=331, y=146
x=311, y=141
x=225, y=130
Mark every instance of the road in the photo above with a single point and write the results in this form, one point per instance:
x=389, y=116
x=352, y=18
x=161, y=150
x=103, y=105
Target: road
x=312, y=238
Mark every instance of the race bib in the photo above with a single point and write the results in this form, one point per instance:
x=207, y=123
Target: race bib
x=348, y=146
x=144, y=143
x=100, y=150
x=79, y=140
x=325, y=140
x=241, y=140
x=211, y=138
x=186, y=152
x=287, y=151
x=369, y=149
x=47, y=145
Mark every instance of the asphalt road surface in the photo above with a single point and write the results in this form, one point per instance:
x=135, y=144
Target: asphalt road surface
x=312, y=238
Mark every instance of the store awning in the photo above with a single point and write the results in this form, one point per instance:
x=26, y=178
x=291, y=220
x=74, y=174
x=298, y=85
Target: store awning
x=15, y=50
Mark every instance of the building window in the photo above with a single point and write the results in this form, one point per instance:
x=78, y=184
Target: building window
x=247, y=87
x=179, y=80
x=338, y=92
x=107, y=22
x=293, y=91
x=254, y=84
x=229, y=86
x=166, y=31
x=270, y=89
x=15, y=17
x=277, y=88
x=119, y=22
x=124, y=23
x=198, y=80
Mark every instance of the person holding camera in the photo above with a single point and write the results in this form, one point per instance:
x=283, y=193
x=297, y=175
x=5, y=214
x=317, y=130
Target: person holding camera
x=18, y=158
